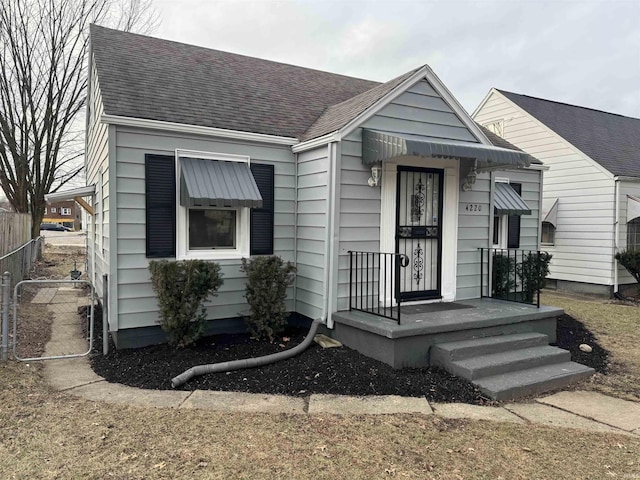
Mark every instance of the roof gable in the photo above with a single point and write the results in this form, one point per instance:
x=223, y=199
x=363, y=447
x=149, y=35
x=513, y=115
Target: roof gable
x=611, y=140
x=155, y=79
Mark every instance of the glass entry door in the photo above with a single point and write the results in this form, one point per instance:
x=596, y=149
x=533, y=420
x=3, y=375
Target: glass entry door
x=418, y=231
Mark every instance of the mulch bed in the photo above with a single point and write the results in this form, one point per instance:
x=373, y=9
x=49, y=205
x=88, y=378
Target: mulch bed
x=330, y=371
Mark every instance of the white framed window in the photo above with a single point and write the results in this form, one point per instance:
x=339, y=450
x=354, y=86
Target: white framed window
x=65, y=211
x=53, y=209
x=500, y=231
x=496, y=127
x=207, y=232
x=633, y=234
x=45, y=210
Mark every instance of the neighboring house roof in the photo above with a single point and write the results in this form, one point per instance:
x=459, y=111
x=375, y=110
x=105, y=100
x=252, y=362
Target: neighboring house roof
x=610, y=139
x=150, y=78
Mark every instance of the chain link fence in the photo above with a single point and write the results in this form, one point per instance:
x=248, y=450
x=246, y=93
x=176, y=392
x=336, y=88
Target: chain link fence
x=19, y=262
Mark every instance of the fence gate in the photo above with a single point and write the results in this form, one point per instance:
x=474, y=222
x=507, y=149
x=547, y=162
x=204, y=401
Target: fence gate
x=66, y=305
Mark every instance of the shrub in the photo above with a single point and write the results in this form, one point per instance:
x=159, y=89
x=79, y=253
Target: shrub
x=533, y=272
x=503, y=279
x=266, y=292
x=630, y=259
x=182, y=287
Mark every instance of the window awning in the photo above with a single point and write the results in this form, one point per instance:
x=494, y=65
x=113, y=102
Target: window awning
x=506, y=201
x=217, y=183
x=551, y=215
x=378, y=146
x=633, y=207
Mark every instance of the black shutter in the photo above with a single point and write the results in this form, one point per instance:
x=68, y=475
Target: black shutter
x=262, y=218
x=160, y=185
x=513, y=240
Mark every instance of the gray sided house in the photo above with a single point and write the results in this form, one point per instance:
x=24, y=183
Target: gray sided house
x=383, y=195
x=591, y=195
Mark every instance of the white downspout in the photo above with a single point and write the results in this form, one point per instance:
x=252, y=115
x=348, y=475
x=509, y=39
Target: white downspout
x=324, y=316
x=616, y=226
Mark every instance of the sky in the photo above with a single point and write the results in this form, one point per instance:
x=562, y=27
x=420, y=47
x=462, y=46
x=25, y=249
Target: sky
x=579, y=52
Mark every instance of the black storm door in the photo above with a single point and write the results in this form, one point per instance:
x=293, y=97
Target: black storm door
x=419, y=232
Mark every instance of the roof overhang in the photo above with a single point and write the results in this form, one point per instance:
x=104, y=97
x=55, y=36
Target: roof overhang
x=506, y=201
x=380, y=146
x=197, y=130
x=74, y=194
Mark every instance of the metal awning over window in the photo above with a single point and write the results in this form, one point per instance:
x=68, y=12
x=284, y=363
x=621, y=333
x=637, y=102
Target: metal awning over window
x=378, y=146
x=217, y=183
x=506, y=201
x=633, y=207
x=551, y=215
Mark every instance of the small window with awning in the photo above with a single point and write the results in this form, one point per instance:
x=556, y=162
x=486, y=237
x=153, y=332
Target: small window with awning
x=508, y=206
x=633, y=223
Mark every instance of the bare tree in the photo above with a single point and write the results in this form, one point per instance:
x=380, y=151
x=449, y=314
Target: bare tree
x=43, y=84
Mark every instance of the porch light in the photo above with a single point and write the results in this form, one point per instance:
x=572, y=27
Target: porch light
x=470, y=180
x=376, y=174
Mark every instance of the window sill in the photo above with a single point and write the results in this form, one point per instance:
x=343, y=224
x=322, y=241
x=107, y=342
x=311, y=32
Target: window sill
x=213, y=255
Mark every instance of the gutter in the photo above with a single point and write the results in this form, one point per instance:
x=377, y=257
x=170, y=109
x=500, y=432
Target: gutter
x=616, y=235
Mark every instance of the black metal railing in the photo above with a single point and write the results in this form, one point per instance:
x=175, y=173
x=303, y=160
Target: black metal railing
x=374, y=283
x=513, y=274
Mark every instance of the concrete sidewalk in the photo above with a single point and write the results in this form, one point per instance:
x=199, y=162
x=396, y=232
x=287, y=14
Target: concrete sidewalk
x=581, y=410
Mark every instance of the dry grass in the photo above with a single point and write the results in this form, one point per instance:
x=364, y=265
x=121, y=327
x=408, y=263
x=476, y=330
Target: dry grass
x=617, y=328
x=50, y=435
x=58, y=261
x=46, y=434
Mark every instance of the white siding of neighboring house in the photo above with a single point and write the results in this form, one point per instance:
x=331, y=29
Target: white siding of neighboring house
x=97, y=172
x=585, y=233
x=625, y=188
x=311, y=231
x=418, y=111
x=137, y=305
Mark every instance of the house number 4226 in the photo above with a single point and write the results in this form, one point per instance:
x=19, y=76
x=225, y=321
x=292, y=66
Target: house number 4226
x=473, y=207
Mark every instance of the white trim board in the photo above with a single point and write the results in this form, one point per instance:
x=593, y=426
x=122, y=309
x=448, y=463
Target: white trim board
x=197, y=130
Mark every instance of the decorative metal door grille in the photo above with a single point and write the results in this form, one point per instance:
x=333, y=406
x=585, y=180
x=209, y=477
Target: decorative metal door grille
x=418, y=231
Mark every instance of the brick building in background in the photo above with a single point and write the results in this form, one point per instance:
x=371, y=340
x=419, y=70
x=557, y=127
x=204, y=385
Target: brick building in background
x=66, y=213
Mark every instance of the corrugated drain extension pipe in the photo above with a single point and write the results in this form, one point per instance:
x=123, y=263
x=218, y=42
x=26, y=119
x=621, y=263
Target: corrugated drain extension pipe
x=247, y=362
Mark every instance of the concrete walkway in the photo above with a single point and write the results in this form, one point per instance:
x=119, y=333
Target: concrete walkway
x=575, y=409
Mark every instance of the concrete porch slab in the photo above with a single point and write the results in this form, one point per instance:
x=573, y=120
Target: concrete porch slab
x=407, y=344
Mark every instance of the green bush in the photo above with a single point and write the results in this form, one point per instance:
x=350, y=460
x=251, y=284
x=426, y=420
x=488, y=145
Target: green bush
x=630, y=259
x=504, y=275
x=266, y=292
x=182, y=287
x=532, y=272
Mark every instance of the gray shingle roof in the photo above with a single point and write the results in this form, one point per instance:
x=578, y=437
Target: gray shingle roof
x=337, y=116
x=150, y=78
x=610, y=139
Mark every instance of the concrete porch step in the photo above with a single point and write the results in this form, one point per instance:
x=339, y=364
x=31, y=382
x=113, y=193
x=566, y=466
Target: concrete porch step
x=532, y=381
x=474, y=347
x=507, y=361
x=508, y=366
